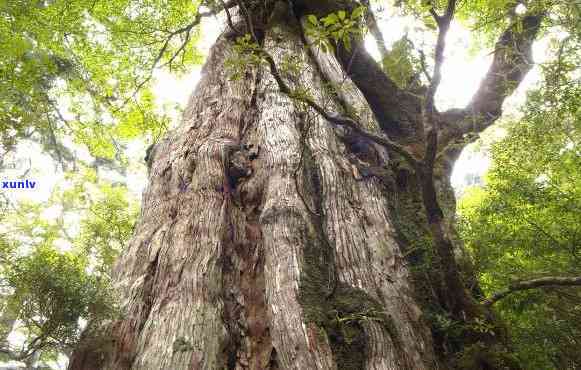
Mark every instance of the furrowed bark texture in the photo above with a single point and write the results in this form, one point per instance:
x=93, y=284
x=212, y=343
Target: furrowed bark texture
x=261, y=244
x=271, y=239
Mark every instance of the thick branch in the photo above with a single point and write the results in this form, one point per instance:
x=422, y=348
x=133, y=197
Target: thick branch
x=443, y=26
x=512, y=61
x=395, y=110
x=430, y=121
x=541, y=283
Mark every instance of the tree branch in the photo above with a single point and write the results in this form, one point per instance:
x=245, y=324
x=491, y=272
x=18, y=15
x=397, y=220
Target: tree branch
x=540, y=283
x=394, y=109
x=443, y=26
x=512, y=61
x=333, y=118
x=337, y=119
x=430, y=121
x=185, y=30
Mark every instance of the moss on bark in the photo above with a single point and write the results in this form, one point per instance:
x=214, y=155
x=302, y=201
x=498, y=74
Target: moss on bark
x=340, y=312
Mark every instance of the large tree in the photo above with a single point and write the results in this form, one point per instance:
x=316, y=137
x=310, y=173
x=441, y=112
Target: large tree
x=301, y=215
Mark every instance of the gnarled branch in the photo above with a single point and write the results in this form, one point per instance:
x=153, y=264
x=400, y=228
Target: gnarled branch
x=540, y=283
x=337, y=119
x=512, y=61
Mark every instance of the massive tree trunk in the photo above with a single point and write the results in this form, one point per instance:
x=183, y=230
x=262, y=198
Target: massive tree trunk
x=272, y=239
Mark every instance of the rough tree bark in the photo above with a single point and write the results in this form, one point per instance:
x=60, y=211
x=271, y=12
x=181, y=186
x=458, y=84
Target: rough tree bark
x=272, y=238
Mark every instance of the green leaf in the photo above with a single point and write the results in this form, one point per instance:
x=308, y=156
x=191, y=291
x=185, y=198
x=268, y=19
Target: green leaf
x=330, y=20
x=347, y=42
x=313, y=19
x=358, y=12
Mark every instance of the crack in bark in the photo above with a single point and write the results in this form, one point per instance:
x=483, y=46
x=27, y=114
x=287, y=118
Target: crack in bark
x=249, y=345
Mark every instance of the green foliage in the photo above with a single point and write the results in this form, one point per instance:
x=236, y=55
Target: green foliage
x=483, y=356
x=51, y=291
x=290, y=66
x=526, y=222
x=401, y=65
x=419, y=9
x=56, y=260
x=488, y=18
x=246, y=54
x=84, y=68
x=335, y=28
x=108, y=226
x=79, y=72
